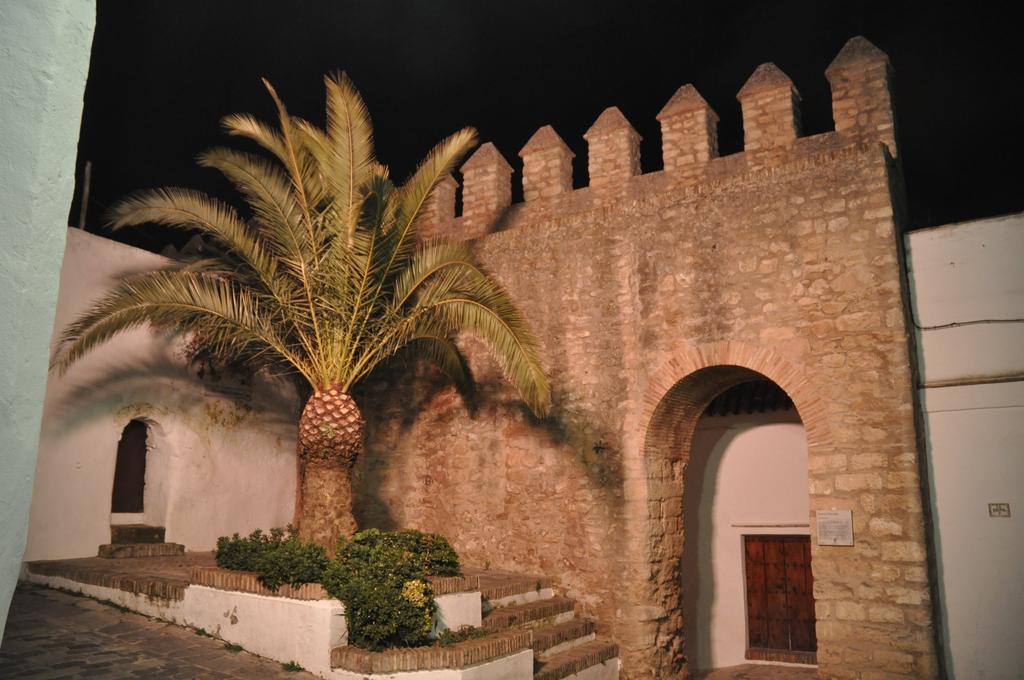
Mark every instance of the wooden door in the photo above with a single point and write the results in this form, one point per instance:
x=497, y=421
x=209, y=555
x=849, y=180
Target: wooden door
x=130, y=469
x=780, y=598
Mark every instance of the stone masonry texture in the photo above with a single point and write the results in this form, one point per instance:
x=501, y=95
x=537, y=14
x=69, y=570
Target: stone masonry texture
x=650, y=295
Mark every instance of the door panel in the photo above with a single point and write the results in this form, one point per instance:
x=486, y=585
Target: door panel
x=757, y=622
x=800, y=596
x=780, y=593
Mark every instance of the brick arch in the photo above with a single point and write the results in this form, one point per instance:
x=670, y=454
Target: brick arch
x=680, y=390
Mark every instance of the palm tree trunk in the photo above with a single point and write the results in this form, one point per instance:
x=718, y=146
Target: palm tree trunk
x=330, y=440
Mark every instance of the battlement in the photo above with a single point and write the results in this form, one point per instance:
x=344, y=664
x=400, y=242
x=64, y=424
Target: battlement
x=859, y=78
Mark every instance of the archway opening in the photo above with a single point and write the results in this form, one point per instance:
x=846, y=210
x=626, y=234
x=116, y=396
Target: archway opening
x=676, y=475
x=746, y=569
x=130, y=469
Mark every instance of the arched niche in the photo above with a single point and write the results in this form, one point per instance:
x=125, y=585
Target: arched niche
x=129, y=489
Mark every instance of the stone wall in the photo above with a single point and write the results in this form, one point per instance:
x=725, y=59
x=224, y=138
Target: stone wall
x=652, y=293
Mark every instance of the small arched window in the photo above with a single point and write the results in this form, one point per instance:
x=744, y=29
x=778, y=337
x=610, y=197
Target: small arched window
x=130, y=470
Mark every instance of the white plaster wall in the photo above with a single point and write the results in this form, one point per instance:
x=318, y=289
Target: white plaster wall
x=968, y=272
x=217, y=464
x=303, y=631
x=456, y=610
x=973, y=400
x=976, y=457
x=753, y=471
x=45, y=58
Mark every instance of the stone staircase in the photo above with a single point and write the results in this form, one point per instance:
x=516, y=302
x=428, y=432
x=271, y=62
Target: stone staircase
x=564, y=646
x=138, y=540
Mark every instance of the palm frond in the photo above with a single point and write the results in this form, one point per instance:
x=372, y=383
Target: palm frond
x=365, y=248
x=182, y=301
x=189, y=209
x=350, y=136
x=268, y=192
x=246, y=125
x=499, y=324
x=432, y=259
x=413, y=195
x=445, y=289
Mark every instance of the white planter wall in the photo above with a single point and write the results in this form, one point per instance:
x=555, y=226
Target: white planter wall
x=300, y=631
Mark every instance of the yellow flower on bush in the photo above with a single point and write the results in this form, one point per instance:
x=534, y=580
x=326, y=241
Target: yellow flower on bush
x=415, y=591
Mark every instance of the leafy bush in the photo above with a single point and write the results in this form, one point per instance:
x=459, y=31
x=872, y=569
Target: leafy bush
x=242, y=554
x=278, y=557
x=381, y=579
x=432, y=552
x=293, y=562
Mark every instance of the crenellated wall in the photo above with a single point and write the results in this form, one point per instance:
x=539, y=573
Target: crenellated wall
x=651, y=293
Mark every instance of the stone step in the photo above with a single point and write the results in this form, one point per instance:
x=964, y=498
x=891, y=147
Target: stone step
x=521, y=594
x=542, y=612
x=599, y=658
x=122, y=534
x=515, y=590
x=122, y=550
x=503, y=588
x=560, y=637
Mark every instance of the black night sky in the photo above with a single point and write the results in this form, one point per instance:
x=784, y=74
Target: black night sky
x=164, y=72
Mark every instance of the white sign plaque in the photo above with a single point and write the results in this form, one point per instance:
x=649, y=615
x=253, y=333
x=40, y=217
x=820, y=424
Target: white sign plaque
x=835, y=527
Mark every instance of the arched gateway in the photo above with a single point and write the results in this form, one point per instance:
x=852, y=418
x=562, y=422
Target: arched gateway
x=677, y=397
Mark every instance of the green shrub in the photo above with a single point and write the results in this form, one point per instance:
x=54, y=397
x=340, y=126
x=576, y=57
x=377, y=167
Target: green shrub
x=435, y=555
x=278, y=557
x=243, y=554
x=292, y=562
x=381, y=579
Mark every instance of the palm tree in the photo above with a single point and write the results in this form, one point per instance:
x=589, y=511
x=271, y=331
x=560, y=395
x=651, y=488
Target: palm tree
x=327, y=280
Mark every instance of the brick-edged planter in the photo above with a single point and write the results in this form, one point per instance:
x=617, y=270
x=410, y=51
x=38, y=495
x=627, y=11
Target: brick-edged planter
x=514, y=588
x=436, y=657
x=72, y=570
x=248, y=582
x=446, y=585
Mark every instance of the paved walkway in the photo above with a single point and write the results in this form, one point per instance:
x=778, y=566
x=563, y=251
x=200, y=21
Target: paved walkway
x=51, y=635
